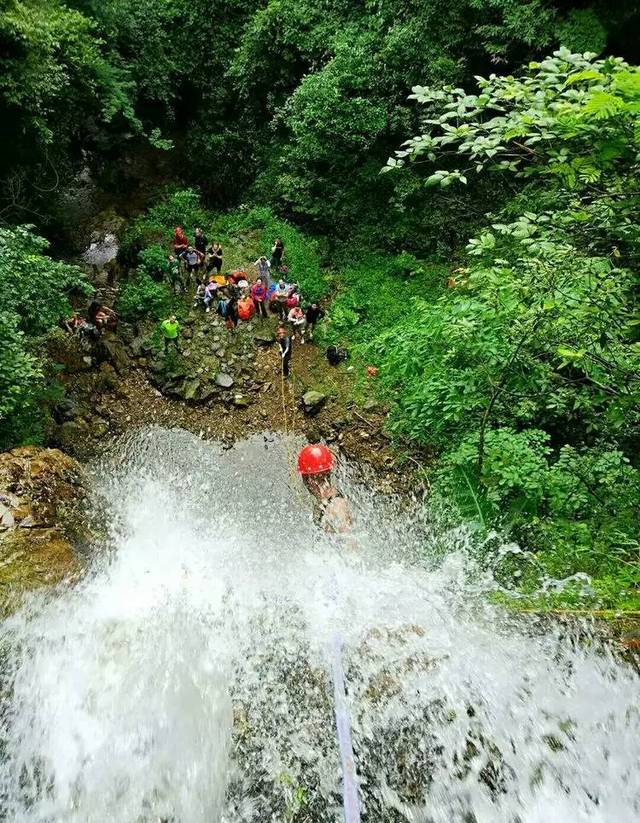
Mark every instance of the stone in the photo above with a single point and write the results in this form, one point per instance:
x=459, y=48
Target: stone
x=137, y=347
x=225, y=381
x=190, y=389
x=313, y=401
x=112, y=350
x=68, y=350
x=264, y=339
x=68, y=409
x=41, y=511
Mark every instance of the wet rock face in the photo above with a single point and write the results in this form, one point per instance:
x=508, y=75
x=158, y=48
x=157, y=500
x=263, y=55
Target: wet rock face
x=41, y=500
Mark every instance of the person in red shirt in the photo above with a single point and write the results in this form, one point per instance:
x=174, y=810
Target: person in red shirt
x=180, y=241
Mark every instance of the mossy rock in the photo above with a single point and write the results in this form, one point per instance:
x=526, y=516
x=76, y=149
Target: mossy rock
x=42, y=497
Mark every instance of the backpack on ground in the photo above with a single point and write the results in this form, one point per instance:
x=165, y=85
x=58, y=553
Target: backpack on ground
x=335, y=355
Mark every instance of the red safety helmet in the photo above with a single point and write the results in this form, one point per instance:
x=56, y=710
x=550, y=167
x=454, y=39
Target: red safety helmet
x=315, y=459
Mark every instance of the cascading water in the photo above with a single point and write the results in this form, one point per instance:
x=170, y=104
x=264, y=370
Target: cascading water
x=188, y=677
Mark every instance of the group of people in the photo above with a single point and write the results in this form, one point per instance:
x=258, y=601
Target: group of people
x=236, y=298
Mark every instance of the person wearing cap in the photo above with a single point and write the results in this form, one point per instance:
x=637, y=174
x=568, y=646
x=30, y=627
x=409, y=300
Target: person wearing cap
x=315, y=464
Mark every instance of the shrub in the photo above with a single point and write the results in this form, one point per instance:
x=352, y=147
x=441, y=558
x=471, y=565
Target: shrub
x=34, y=297
x=155, y=261
x=141, y=296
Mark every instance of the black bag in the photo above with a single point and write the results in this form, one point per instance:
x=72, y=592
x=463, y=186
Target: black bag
x=336, y=355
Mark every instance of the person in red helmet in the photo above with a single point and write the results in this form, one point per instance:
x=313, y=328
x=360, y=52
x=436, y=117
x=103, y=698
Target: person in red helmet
x=315, y=464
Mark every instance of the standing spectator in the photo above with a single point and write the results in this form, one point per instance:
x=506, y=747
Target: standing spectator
x=312, y=315
x=200, y=242
x=259, y=296
x=263, y=270
x=215, y=257
x=193, y=260
x=173, y=265
x=280, y=297
x=286, y=346
x=170, y=329
x=180, y=241
x=277, y=255
x=298, y=322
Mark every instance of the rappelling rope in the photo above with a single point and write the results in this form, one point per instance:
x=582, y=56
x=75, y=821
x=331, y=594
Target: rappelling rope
x=289, y=433
x=350, y=797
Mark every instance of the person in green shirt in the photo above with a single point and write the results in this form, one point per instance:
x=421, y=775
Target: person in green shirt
x=170, y=329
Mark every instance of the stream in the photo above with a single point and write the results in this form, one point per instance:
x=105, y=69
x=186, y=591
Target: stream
x=187, y=677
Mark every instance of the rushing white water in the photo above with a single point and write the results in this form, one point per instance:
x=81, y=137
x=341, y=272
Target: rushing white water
x=187, y=679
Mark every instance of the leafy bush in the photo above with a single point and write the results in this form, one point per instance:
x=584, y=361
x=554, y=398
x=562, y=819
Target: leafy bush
x=34, y=297
x=154, y=259
x=141, y=296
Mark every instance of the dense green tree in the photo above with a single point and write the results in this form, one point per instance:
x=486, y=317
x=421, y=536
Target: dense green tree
x=34, y=298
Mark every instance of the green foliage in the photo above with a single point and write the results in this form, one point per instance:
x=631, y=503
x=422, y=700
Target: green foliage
x=373, y=295
x=582, y=31
x=56, y=89
x=34, y=297
x=155, y=261
x=531, y=364
x=142, y=296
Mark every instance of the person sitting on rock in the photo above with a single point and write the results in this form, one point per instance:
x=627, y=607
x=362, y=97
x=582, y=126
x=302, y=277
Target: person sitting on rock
x=298, y=321
x=199, y=296
x=246, y=309
x=102, y=317
x=74, y=323
x=210, y=293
